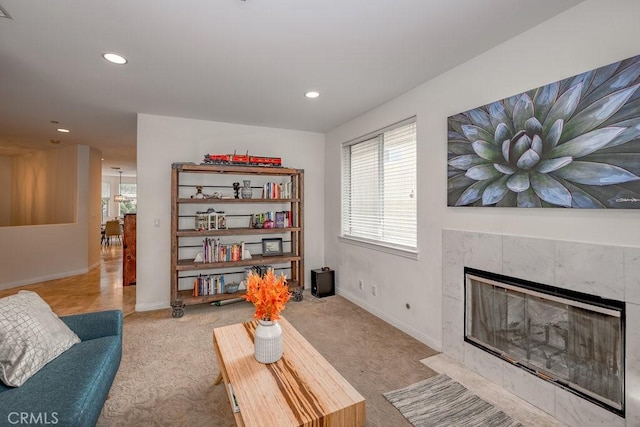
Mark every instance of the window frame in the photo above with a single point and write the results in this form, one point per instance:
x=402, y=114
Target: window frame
x=379, y=245
x=105, y=198
x=131, y=198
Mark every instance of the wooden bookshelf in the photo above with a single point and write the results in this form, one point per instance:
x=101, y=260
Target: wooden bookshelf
x=185, y=177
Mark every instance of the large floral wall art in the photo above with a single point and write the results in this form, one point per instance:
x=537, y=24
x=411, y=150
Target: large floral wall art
x=574, y=143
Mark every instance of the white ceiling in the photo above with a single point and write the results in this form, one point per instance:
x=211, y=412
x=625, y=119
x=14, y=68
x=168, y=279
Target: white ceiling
x=236, y=61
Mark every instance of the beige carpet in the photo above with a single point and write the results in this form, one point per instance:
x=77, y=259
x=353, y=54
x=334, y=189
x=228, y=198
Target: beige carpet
x=169, y=366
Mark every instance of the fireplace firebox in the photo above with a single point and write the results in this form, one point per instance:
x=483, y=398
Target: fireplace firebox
x=571, y=339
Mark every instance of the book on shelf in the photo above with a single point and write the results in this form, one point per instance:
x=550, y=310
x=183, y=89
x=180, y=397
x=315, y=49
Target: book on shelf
x=285, y=190
x=208, y=284
x=272, y=190
x=215, y=251
x=280, y=219
x=275, y=219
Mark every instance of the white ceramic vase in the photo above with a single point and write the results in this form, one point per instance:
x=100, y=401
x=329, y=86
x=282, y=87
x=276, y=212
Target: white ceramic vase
x=246, y=190
x=268, y=341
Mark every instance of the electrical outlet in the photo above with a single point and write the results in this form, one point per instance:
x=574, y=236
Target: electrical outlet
x=374, y=291
x=360, y=284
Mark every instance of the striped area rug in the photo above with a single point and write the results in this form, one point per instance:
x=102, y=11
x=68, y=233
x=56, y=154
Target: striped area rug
x=441, y=402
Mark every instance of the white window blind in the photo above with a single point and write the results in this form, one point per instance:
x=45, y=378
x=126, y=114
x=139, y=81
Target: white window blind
x=379, y=188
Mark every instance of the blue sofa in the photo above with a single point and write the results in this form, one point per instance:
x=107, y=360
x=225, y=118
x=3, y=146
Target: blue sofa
x=71, y=389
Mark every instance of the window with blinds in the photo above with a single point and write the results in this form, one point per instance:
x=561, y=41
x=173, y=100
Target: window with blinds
x=379, y=195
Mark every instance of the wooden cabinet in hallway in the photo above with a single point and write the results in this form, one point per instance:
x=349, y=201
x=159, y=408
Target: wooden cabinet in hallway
x=129, y=251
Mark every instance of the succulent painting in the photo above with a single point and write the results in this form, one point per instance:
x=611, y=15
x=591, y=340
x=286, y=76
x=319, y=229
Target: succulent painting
x=573, y=143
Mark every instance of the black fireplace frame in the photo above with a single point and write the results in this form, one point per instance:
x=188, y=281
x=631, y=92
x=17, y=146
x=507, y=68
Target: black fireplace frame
x=581, y=297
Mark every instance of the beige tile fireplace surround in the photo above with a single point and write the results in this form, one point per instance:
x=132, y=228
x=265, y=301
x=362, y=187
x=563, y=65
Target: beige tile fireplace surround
x=611, y=272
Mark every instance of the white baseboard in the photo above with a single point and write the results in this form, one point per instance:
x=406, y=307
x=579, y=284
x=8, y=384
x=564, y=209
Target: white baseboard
x=33, y=280
x=408, y=329
x=150, y=306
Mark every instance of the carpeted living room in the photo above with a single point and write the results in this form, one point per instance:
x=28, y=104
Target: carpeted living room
x=449, y=188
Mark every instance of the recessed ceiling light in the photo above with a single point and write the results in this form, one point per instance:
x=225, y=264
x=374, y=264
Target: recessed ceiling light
x=55, y=141
x=55, y=122
x=63, y=130
x=312, y=94
x=115, y=58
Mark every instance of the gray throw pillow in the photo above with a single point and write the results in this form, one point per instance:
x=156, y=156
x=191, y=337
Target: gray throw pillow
x=31, y=335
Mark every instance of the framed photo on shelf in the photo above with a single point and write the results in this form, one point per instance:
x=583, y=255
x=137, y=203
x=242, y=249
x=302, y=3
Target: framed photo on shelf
x=272, y=246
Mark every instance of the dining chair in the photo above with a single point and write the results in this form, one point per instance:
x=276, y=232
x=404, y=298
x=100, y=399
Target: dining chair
x=112, y=229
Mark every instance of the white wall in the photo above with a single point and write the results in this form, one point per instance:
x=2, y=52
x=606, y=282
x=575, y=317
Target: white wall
x=6, y=167
x=590, y=35
x=30, y=254
x=165, y=140
x=43, y=187
x=94, y=205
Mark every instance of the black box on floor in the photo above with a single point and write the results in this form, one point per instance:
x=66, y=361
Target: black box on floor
x=323, y=282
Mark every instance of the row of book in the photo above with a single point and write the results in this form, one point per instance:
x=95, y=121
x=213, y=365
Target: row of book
x=208, y=284
x=273, y=219
x=214, y=251
x=272, y=190
x=260, y=270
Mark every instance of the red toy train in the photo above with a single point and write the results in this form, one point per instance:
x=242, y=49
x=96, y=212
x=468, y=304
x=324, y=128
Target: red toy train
x=241, y=159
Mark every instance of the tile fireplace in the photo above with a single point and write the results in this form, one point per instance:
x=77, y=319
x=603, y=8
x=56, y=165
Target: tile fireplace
x=551, y=370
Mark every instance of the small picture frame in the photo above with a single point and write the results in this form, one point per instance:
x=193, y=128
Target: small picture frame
x=272, y=246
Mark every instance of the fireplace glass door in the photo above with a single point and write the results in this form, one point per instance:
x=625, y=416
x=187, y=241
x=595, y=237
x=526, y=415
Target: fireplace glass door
x=577, y=344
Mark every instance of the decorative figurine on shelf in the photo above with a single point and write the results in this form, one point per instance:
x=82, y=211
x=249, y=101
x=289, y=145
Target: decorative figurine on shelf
x=199, y=194
x=236, y=190
x=210, y=220
x=202, y=221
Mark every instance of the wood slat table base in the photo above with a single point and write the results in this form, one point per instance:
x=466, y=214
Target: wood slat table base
x=301, y=389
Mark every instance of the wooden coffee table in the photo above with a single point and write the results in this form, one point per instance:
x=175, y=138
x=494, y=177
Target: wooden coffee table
x=301, y=389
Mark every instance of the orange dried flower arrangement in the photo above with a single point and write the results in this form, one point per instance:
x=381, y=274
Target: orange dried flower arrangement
x=269, y=294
